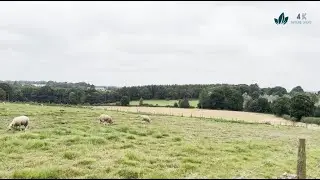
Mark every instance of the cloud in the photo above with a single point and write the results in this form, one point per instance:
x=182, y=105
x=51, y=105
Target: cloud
x=135, y=43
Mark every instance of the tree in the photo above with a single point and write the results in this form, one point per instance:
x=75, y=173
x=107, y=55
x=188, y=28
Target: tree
x=255, y=95
x=246, y=99
x=253, y=88
x=301, y=106
x=73, y=98
x=278, y=90
x=175, y=104
x=141, y=101
x=281, y=106
x=260, y=105
x=314, y=98
x=124, y=101
x=8, y=89
x=204, y=99
x=184, y=103
x=317, y=112
x=2, y=95
x=221, y=97
x=297, y=89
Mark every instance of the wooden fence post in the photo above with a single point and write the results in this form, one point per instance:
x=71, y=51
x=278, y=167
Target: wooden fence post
x=301, y=164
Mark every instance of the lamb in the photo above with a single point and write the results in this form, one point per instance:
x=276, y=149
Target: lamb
x=145, y=118
x=19, y=121
x=105, y=118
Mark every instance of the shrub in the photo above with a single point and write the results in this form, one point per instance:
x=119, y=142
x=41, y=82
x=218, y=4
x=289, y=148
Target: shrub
x=184, y=103
x=311, y=120
x=288, y=117
x=141, y=101
x=175, y=104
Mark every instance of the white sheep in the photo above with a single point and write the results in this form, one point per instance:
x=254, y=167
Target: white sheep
x=19, y=121
x=145, y=118
x=3, y=102
x=105, y=118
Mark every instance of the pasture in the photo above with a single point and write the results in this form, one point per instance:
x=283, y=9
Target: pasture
x=192, y=102
x=69, y=142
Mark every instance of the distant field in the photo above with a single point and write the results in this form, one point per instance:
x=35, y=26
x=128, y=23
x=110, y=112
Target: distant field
x=70, y=143
x=192, y=102
x=229, y=115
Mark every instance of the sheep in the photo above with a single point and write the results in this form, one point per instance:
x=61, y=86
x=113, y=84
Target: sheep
x=19, y=121
x=3, y=102
x=105, y=118
x=145, y=118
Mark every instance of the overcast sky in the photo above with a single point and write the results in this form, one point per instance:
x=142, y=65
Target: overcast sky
x=139, y=43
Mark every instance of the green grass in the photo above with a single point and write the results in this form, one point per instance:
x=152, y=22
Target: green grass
x=72, y=144
x=192, y=102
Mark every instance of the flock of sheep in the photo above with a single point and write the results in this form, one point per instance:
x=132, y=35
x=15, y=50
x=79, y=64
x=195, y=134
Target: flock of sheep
x=24, y=121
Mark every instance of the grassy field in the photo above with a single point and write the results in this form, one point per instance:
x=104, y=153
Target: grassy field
x=70, y=143
x=193, y=102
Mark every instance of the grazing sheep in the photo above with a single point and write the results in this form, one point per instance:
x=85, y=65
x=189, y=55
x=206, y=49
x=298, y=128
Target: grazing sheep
x=145, y=118
x=105, y=118
x=19, y=121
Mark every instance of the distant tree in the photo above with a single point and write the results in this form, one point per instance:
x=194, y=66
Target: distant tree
x=175, y=104
x=243, y=88
x=73, y=99
x=278, y=90
x=297, y=89
x=8, y=89
x=301, y=106
x=141, y=101
x=314, y=97
x=255, y=95
x=254, y=88
x=317, y=112
x=260, y=105
x=124, y=101
x=221, y=97
x=184, y=103
x=246, y=99
x=281, y=106
x=204, y=99
x=2, y=95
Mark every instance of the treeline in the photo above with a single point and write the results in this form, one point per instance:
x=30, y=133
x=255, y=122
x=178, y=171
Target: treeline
x=239, y=97
x=294, y=104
